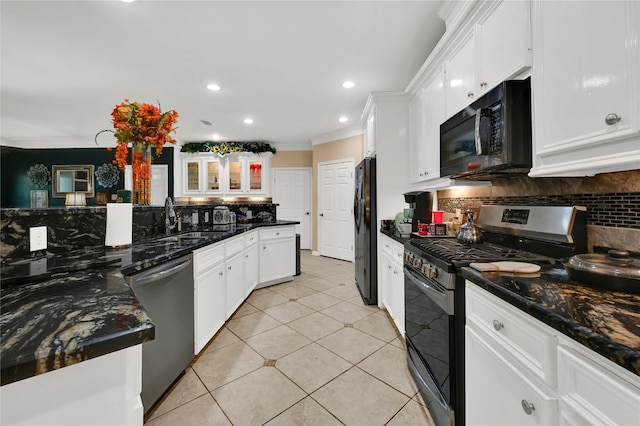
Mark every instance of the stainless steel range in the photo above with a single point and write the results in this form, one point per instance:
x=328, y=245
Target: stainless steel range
x=434, y=294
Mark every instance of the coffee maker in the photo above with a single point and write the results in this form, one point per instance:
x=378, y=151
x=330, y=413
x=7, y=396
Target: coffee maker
x=422, y=204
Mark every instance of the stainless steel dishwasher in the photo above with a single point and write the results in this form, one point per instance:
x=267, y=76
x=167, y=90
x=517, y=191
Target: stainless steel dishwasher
x=166, y=293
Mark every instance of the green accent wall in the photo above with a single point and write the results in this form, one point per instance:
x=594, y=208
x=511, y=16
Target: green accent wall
x=15, y=162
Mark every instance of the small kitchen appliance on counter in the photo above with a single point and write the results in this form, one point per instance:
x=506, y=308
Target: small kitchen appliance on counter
x=422, y=204
x=434, y=293
x=223, y=218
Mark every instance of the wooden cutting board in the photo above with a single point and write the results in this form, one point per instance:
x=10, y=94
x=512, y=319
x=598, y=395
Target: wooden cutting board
x=517, y=267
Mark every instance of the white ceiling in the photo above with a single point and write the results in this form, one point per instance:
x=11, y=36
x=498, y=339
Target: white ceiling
x=66, y=64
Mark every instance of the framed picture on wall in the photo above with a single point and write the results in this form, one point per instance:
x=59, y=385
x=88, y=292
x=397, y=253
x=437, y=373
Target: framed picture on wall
x=39, y=199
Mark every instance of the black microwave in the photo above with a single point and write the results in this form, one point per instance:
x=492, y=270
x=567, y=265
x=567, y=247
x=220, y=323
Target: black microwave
x=492, y=136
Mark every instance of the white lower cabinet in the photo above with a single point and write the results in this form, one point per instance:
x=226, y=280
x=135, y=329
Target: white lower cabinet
x=497, y=392
x=251, y=262
x=591, y=392
x=519, y=371
x=392, y=280
x=100, y=391
x=225, y=273
x=235, y=280
x=209, y=293
x=277, y=254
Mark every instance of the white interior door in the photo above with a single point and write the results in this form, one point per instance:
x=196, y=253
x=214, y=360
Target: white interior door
x=292, y=193
x=335, y=209
x=159, y=182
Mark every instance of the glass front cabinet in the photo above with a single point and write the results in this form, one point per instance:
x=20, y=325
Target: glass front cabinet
x=230, y=175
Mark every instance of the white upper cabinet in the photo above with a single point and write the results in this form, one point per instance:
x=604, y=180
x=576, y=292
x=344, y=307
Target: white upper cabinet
x=234, y=174
x=495, y=48
x=586, y=81
x=426, y=115
x=461, y=75
x=504, y=43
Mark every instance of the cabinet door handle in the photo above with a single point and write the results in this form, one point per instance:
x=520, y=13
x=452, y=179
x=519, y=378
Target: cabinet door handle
x=483, y=84
x=229, y=267
x=264, y=247
x=469, y=94
x=498, y=325
x=277, y=233
x=321, y=214
x=221, y=273
x=528, y=407
x=612, y=119
x=246, y=255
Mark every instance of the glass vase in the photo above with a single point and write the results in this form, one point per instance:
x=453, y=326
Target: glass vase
x=141, y=174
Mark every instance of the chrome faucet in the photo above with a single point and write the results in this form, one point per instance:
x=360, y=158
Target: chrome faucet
x=170, y=220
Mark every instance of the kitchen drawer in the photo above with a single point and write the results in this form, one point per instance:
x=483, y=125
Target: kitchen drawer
x=529, y=342
x=593, y=393
x=250, y=238
x=208, y=257
x=277, y=232
x=393, y=248
x=234, y=245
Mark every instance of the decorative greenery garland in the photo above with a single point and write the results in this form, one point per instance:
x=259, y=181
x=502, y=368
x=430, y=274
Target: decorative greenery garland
x=223, y=148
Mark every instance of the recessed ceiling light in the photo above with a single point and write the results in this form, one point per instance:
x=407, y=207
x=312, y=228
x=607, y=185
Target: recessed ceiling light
x=213, y=87
x=343, y=119
x=216, y=136
x=127, y=1
x=248, y=121
x=348, y=84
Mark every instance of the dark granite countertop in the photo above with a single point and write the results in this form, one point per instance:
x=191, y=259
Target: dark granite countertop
x=395, y=235
x=59, y=310
x=604, y=321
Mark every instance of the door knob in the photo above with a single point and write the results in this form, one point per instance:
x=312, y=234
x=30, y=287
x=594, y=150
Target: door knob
x=612, y=119
x=528, y=407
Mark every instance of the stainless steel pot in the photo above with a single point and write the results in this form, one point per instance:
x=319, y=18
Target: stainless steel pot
x=469, y=233
x=616, y=271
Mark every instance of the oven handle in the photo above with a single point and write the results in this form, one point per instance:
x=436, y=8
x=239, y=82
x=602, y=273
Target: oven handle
x=441, y=297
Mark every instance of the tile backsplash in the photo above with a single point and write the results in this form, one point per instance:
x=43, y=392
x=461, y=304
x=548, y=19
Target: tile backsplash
x=612, y=201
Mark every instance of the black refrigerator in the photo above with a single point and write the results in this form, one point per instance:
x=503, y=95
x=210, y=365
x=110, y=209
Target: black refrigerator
x=366, y=238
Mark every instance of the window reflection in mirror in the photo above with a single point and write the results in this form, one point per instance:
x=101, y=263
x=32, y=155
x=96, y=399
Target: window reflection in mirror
x=73, y=179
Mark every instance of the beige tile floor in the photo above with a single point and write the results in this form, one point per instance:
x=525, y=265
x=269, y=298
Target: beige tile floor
x=305, y=352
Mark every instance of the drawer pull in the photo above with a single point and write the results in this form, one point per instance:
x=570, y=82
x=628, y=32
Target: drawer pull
x=498, y=325
x=528, y=407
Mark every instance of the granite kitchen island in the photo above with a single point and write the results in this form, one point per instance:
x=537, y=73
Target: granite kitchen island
x=72, y=331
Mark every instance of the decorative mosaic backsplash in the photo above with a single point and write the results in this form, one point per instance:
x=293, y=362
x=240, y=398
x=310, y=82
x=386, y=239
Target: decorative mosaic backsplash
x=85, y=227
x=612, y=201
x=620, y=209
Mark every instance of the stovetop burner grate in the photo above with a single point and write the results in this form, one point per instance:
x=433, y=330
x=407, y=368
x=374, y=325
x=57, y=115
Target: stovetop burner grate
x=450, y=250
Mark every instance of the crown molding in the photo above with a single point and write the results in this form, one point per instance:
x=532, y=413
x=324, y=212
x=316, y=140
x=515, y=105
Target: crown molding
x=336, y=135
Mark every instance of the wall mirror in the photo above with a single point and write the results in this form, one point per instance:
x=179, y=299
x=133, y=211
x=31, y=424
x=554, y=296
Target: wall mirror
x=73, y=179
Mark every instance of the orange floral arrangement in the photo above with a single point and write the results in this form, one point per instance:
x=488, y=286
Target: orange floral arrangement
x=142, y=125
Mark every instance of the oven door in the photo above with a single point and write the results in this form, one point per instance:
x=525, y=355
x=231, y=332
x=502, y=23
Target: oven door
x=430, y=333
